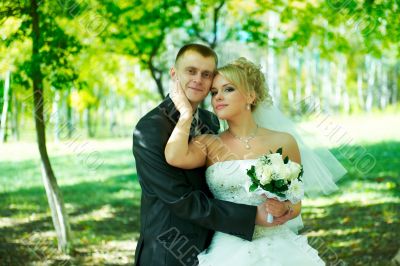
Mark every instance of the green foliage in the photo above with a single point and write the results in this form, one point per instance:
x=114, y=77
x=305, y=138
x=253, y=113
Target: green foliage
x=95, y=46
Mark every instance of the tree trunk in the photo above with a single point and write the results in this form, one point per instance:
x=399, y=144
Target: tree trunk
x=54, y=196
x=6, y=99
x=112, y=114
x=157, y=76
x=310, y=73
x=88, y=122
x=70, y=124
x=15, y=111
x=272, y=62
x=360, y=93
x=383, y=85
x=395, y=88
x=56, y=115
x=298, y=83
x=340, y=82
x=371, y=83
x=326, y=86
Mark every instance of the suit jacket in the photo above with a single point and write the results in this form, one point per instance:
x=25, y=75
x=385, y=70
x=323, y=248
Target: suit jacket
x=178, y=212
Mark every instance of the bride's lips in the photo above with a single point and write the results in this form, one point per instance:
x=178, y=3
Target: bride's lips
x=220, y=106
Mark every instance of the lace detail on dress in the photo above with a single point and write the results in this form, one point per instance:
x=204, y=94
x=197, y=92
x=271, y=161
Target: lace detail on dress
x=228, y=181
x=270, y=245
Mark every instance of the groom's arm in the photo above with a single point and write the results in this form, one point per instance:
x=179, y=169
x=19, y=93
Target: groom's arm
x=171, y=186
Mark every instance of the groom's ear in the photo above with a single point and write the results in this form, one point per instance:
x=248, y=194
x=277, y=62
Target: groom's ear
x=172, y=73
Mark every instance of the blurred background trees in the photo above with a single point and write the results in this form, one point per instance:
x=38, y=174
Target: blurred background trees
x=73, y=69
x=105, y=63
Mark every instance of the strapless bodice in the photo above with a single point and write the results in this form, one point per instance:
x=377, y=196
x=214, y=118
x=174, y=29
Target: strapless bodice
x=228, y=180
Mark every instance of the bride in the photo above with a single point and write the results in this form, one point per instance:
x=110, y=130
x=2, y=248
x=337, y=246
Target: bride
x=237, y=90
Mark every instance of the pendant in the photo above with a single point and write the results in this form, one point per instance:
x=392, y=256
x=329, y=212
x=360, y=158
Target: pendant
x=247, y=145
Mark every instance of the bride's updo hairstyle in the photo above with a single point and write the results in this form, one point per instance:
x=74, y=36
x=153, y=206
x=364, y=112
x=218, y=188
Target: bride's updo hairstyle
x=247, y=76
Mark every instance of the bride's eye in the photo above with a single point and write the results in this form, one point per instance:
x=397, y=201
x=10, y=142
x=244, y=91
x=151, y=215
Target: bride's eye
x=213, y=93
x=229, y=89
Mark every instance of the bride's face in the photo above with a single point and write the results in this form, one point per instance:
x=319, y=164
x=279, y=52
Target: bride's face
x=227, y=100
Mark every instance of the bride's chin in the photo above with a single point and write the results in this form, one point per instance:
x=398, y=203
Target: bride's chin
x=223, y=117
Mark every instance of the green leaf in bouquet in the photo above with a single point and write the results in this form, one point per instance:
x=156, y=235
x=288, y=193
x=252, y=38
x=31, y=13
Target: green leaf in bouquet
x=280, y=194
x=268, y=187
x=281, y=188
x=279, y=151
x=301, y=173
x=286, y=160
x=253, y=187
x=251, y=171
x=252, y=174
x=279, y=183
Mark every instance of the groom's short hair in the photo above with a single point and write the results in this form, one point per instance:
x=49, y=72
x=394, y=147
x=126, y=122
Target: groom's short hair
x=199, y=48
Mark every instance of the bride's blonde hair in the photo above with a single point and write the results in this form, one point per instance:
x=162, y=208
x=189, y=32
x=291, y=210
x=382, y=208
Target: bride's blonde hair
x=247, y=76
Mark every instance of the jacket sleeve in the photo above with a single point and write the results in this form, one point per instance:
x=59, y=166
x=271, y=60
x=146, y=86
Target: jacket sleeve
x=170, y=185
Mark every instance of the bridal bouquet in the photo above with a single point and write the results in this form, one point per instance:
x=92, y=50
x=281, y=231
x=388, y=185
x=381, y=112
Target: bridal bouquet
x=277, y=177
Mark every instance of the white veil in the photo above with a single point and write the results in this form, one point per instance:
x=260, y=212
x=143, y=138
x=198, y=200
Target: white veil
x=321, y=168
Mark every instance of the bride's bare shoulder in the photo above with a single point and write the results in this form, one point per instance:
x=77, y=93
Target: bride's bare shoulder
x=283, y=137
x=283, y=140
x=280, y=139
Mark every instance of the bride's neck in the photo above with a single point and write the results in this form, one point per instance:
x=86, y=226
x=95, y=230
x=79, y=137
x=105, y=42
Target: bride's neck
x=242, y=127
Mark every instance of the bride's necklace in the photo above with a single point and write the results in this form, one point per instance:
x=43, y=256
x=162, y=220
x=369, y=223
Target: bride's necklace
x=245, y=139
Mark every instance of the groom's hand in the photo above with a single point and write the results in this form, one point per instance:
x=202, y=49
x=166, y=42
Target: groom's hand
x=261, y=216
x=276, y=208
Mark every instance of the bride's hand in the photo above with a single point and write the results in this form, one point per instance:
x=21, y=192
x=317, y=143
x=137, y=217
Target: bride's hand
x=180, y=100
x=276, y=208
x=261, y=216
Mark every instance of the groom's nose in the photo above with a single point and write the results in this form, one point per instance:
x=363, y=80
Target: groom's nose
x=197, y=78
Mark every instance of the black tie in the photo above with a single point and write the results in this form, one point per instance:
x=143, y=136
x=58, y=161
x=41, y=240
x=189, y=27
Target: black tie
x=193, y=127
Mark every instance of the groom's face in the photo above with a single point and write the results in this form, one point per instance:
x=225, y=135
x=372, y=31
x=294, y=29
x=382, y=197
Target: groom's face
x=195, y=73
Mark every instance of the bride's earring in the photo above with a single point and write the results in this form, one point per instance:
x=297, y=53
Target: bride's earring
x=248, y=106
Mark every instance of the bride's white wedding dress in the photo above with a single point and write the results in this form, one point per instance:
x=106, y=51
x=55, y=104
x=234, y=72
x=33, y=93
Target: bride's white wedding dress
x=271, y=246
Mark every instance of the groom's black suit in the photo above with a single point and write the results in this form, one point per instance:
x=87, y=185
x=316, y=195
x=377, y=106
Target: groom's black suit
x=178, y=213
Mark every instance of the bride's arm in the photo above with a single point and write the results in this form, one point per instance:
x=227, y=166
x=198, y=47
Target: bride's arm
x=179, y=153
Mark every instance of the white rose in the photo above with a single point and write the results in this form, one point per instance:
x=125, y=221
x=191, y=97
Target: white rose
x=259, y=164
x=286, y=174
x=296, y=191
x=281, y=171
x=266, y=175
x=276, y=159
x=259, y=169
x=294, y=169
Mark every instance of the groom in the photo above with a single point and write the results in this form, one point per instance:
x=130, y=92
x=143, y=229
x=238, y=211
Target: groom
x=178, y=212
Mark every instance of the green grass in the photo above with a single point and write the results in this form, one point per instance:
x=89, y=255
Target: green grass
x=359, y=224
x=103, y=206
